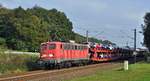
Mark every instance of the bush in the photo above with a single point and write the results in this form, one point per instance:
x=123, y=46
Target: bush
x=14, y=63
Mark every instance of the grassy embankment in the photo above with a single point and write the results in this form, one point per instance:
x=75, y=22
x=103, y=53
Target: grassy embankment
x=15, y=63
x=136, y=72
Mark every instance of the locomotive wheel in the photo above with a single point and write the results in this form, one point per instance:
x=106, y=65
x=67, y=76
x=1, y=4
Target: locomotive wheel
x=80, y=64
x=85, y=63
x=59, y=66
x=68, y=64
x=46, y=66
x=49, y=66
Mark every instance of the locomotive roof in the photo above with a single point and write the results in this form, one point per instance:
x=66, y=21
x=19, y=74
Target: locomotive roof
x=63, y=43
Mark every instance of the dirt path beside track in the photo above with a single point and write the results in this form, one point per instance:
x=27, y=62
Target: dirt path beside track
x=62, y=74
x=79, y=72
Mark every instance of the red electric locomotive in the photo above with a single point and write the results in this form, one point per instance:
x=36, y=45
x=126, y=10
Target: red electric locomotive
x=62, y=54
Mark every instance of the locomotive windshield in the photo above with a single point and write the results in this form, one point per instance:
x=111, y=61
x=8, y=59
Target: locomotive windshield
x=52, y=46
x=43, y=46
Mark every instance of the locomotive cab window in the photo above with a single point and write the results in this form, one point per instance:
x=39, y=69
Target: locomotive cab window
x=61, y=46
x=52, y=46
x=76, y=47
x=43, y=47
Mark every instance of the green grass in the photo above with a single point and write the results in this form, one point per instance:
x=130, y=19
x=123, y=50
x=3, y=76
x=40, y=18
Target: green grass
x=136, y=72
x=14, y=63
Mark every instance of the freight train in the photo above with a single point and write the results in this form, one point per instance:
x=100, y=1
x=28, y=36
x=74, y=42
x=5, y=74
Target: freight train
x=62, y=54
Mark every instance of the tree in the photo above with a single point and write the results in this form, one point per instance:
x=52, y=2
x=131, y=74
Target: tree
x=146, y=30
x=27, y=29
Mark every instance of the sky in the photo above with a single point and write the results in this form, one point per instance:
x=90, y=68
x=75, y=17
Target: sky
x=112, y=20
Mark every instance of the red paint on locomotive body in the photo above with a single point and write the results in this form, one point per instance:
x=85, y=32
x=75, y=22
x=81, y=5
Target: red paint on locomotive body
x=56, y=52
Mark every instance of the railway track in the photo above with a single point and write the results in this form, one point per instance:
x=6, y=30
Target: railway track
x=57, y=75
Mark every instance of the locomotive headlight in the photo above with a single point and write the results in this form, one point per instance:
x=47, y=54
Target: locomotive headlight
x=51, y=55
x=43, y=55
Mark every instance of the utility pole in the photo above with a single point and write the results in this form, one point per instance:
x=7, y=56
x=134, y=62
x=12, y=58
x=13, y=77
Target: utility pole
x=134, y=53
x=87, y=39
x=134, y=39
